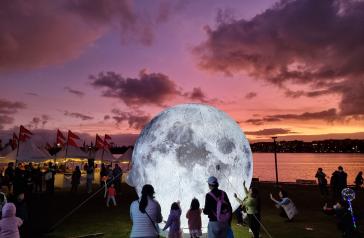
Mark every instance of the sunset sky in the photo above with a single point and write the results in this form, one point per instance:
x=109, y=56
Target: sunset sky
x=293, y=69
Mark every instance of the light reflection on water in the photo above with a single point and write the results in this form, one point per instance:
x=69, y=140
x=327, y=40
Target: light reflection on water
x=292, y=166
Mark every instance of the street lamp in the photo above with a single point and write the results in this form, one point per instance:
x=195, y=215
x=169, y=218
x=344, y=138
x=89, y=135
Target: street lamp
x=275, y=157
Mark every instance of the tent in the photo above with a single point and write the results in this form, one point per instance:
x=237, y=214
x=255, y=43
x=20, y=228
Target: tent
x=6, y=150
x=107, y=156
x=45, y=151
x=28, y=152
x=73, y=153
x=125, y=159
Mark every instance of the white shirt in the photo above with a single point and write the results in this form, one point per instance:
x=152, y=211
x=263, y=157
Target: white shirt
x=142, y=225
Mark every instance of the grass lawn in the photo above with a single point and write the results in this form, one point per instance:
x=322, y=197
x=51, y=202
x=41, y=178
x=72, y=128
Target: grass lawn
x=94, y=217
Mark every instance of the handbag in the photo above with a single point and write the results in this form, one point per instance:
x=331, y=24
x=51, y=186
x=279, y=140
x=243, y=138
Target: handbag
x=151, y=220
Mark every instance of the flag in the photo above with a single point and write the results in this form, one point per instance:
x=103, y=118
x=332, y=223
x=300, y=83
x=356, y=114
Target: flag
x=72, y=142
x=107, y=137
x=14, y=143
x=72, y=135
x=24, y=130
x=15, y=137
x=60, y=135
x=99, y=142
x=106, y=144
x=60, y=141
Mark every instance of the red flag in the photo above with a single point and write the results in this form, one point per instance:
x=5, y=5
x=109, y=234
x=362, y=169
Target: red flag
x=24, y=137
x=24, y=130
x=72, y=135
x=14, y=144
x=72, y=142
x=106, y=144
x=107, y=137
x=15, y=137
x=60, y=142
x=60, y=135
x=99, y=142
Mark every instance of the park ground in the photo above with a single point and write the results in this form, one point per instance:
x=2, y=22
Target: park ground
x=94, y=217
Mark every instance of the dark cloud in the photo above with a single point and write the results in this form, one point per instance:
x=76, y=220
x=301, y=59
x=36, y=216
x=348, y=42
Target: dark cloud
x=106, y=117
x=9, y=107
x=39, y=121
x=136, y=119
x=78, y=115
x=4, y=119
x=41, y=33
x=251, y=95
x=74, y=92
x=147, y=89
x=256, y=122
x=154, y=88
x=196, y=95
x=318, y=44
x=270, y=131
x=327, y=115
x=7, y=110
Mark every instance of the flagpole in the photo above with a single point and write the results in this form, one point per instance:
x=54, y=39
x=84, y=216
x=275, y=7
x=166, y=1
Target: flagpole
x=17, y=150
x=68, y=138
x=55, y=155
x=103, y=150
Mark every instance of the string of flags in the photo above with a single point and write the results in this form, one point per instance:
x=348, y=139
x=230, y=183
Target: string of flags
x=61, y=141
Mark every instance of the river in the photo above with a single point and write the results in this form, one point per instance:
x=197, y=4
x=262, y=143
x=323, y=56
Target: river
x=292, y=166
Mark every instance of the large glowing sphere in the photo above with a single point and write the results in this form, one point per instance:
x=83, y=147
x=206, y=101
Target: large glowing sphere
x=181, y=147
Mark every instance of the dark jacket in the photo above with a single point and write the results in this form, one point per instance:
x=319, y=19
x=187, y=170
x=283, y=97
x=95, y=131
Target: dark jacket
x=76, y=177
x=210, y=204
x=339, y=180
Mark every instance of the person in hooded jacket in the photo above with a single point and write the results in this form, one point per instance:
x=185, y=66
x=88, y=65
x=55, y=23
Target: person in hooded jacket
x=174, y=221
x=9, y=223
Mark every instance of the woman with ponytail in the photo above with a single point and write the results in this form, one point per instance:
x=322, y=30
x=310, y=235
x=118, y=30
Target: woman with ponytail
x=145, y=214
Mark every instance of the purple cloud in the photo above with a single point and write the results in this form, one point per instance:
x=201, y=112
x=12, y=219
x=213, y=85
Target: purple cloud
x=136, y=119
x=307, y=42
x=74, y=92
x=78, y=115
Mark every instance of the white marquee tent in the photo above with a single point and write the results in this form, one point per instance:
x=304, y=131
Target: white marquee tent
x=6, y=150
x=126, y=157
x=73, y=153
x=28, y=152
x=107, y=156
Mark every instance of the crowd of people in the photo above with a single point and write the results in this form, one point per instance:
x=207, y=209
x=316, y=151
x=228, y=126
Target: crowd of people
x=339, y=207
x=18, y=184
x=146, y=213
x=338, y=181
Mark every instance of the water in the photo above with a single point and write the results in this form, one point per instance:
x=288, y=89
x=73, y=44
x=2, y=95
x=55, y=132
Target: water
x=292, y=166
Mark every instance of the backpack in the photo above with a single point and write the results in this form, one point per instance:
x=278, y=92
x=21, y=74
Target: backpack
x=223, y=213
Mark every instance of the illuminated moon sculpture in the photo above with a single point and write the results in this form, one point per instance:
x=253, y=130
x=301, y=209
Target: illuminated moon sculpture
x=184, y=145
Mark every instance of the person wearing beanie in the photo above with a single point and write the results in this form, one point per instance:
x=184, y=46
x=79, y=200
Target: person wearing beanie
x=9, y=223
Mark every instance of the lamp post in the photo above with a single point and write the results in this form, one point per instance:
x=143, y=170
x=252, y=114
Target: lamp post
x=275, y=157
